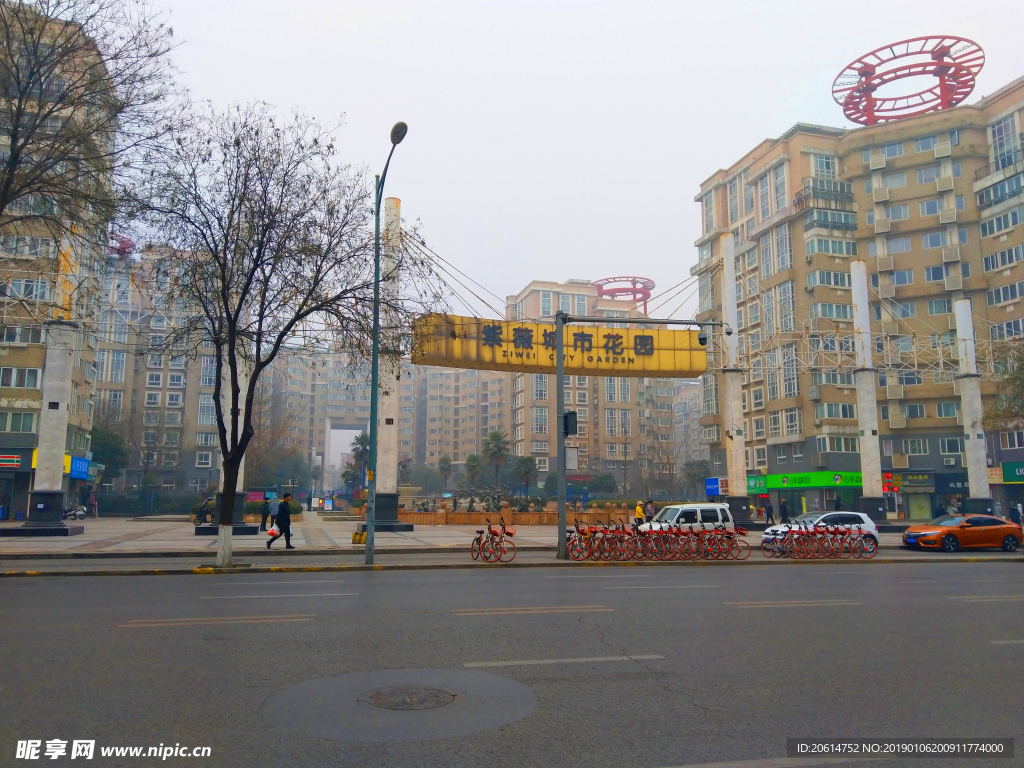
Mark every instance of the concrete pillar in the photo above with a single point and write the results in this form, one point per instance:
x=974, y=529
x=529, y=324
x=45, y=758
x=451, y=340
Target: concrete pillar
x=873, y=502
x=61, y=337
x=970, y=403
x=390, y=359
x=731, y=392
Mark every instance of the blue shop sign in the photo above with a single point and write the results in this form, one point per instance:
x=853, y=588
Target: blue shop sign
x=79, y=468
x=711, y=487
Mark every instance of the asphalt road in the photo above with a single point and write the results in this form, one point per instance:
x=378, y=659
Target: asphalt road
x=739, y=665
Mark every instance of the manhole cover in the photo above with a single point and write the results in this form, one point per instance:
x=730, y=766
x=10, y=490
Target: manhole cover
x=406, y=697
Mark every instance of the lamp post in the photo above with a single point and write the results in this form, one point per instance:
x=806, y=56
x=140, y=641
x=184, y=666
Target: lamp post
x=398, y=132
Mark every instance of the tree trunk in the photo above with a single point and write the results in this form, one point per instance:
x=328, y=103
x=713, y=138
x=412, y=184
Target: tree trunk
x=227, y=509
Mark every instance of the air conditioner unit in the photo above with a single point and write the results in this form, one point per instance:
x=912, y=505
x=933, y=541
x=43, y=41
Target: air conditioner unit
x=943, y=149
x=814, y=392
x=880, y=195
x=954, y=282
x=952, y=253
x=900, y=461
x=944, y=184
x=947, y=216
x=887, y=290
x=817, y=422
x=897, y=421
x=808, y=258
x=894, y=391
x=809, y=288
x=952, y=322
x=877, y=162
x=882, y=226
x=884, y=263
x=990, y=461
x=949, y=462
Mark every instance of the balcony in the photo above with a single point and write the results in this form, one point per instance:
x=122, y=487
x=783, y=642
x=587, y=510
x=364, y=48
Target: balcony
x=1011, y=163
x=884, y=264
x=882, y=226
x=824, y=189
x=947, y=216
x=951, y=253
x=944, y=184
x=894, y=392
x=880, y=195
x=877, y=162
x=943, y=149
x=954, y=283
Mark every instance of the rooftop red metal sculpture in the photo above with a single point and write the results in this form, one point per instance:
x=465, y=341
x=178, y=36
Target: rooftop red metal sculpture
x=951, y=62
x=627, y=288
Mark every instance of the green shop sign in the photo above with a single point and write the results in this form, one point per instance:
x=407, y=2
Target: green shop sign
x=815, y=480
x=757, y=484
x=1013, y=472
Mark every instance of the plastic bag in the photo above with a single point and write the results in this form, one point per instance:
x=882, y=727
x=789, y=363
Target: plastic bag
x=274, y=530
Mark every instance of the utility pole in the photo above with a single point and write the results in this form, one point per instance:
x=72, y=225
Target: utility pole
x=560, y=318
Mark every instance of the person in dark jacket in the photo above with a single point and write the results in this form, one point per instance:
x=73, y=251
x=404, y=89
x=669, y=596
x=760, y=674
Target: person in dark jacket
x=783, y=512
x=284, y=522
x=769, y=514
x=265, y=510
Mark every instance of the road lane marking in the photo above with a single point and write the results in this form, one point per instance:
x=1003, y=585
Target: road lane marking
x=261, y=583
x=582, y=660
x=794, y=603
x=588, y=576
x=673, y=586
x=537, y=609
x=314, y=594
x=988, y=598
x=1007, y=642
x=195, y=622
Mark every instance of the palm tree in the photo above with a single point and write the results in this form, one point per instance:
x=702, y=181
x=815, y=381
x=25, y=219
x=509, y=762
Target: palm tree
x=361, y=448
x=526, y=471
x=496, y=451
x=444, y=467
x=473, y=467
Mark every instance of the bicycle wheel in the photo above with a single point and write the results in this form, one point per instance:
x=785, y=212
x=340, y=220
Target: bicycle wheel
x=489, y=551
x=870, y=548
x=576, y=550
x=743, y=549
x=474, y=548
x=508, y=551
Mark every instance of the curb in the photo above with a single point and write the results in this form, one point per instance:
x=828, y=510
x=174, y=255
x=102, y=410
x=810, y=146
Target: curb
x=263, y=552
x=203, y=571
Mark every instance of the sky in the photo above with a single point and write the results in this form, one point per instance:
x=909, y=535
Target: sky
x=557, y=139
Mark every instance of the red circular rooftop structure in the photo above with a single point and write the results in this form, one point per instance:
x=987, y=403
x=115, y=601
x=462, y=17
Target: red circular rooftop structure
x=636, y=289
x=947, y=64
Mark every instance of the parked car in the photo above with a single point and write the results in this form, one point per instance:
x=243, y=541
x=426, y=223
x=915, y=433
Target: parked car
x=850, y=519
x=953, y=532
x=691, y=515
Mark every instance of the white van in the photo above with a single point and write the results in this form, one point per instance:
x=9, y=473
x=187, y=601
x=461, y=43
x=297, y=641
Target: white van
x=691, y=515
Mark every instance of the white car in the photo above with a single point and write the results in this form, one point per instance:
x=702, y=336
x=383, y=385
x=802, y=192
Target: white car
x=851, y=519
x=691, y=515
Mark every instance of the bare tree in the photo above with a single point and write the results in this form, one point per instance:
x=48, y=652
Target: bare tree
x=84, y=87
x=270, y=246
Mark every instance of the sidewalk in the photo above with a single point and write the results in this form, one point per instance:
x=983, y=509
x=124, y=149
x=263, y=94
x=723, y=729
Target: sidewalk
x=132, y=537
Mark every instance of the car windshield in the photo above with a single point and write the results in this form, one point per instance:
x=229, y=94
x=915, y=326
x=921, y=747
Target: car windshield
x=808, y=519
x=948, y=521
x=665, y=513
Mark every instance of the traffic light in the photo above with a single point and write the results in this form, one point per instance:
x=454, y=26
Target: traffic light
x=569, y=423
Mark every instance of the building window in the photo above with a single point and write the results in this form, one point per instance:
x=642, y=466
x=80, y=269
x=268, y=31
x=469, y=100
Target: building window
x=928, y=174
x=624, y=424
x=759, y=428
x=824, y=166
x=1011, y=440
x=204, y=459
x=760, y=457
x=783, y=248
x=17, y=422
x=539, y=388
x=154, y=379
x=780, y=454
x=174, y=400
x=893, y=150
x=176, y=380
x=894, y=180
x=542, y=463
x=152, y=399
x=762, y=191
x=28, y=378
x=208, y=371
x=539, y=421
x=709, y=213
x=779, y=184
x=897, y=212
x=915, y=446
x=207, y=412
x=925, y=144
x=581, y=304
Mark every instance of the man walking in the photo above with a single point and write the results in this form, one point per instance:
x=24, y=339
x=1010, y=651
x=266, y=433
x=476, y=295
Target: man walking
x=769, y=514
x=783, y=512
x=283, y=522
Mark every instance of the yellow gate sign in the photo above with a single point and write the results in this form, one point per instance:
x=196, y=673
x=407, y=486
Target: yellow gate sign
x=508, y=345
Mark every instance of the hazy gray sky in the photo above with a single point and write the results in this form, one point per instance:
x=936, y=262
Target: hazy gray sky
x=555, y=139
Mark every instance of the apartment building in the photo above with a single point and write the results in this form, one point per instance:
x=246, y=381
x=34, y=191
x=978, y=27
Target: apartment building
x=455, y=411
x=687, y=412
x=625, y=424
x=933, y=204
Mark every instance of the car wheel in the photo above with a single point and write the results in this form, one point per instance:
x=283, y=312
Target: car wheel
x=1010, y=544
x=950, y=543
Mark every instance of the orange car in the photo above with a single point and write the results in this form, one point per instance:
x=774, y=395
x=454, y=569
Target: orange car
x=951, y=532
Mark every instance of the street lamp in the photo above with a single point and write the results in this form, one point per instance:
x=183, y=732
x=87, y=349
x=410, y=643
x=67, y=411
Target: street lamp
x=398, y=132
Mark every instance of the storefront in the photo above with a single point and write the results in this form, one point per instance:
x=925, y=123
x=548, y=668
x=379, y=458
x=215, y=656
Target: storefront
x=15, y=480
x=814, y=491
x=757, y=492
x=950, y=488
x=1008, y=488
x=910, y=495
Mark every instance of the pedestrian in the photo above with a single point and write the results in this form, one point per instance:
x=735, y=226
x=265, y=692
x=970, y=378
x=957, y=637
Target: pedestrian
x=649, y=510
x=283, y=521
x=951, y=508
x=265, y=510
x=939, y=511
x=1014, y=514
x=639, y=514
x=959, y=505
x=999, y=510
x=769, y=514
x=783, y=512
